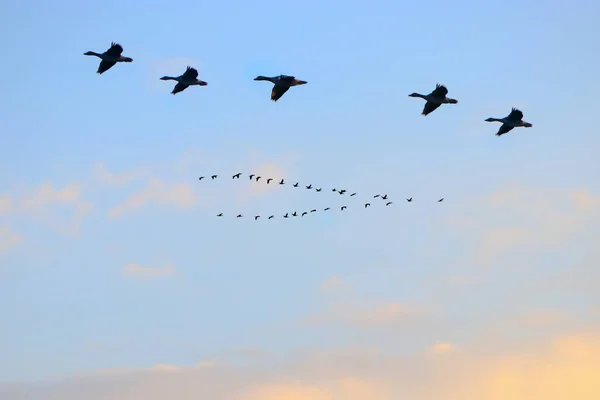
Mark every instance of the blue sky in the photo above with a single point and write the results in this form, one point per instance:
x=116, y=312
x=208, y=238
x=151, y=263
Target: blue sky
x=111, y=255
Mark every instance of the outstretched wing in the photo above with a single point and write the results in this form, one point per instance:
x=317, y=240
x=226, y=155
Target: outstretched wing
x=287, y=78
x=180, y=87
x=515, y=115
x=278, y=91
x=115, y=50
x=430, y=107
x=505, y=128
x=439, y=92
x=105, y=66
x=190, y=73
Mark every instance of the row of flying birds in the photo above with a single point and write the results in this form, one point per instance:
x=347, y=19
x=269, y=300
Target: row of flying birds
x=283, y=83
x=256, y=178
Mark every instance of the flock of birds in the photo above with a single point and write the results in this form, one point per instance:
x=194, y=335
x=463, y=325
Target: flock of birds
x=257, y=178
x=283, y=83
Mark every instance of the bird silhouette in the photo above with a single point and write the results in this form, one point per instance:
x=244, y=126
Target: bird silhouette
x=281, y=84
x=256, y=217
x=353, y=194
x=377, y=195
x=334, y=190
x=236, y=176
x=367, y=205
x=272, y=216
x=388, y=203
x=257, y=178
x=328, y=208
x=239, y=216
x=269, y=180
x=188, y=78
x=409, y=200
x=286, y=215
x=110, y=57
x=294, y=214
x=252, y=176
x=295, y=184
x=304, y=213
x=342, y=191
x=309, y=186
x=343, y=208
x=220, y=215
x=214, y=177
x=313, y=210
x=440, y=200
x=384, y=197
x=318, y=190
x=281, y=182
x=200, y=178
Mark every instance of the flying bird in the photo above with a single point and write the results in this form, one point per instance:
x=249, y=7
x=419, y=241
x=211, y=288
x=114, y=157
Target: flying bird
x=334, y=190
x=295, y=184
x=342, y=191
x=236, y=175
x=256, y=217
x=435, y=99
x=269, y=180
x=409, y=200
x=272, y=216
x=220, y=215
x=313, y=210
x=304, y=213
x=239, y=216
x=328, y=208
x=318, y=190
x=257, y=178
x=110, y=57
x=353, y=194
x=188, y=78
x=286, y=215
x=281, y=84
x=309, y=186
x=343, y=208
x=214, y=177
x=252, y=176
x=388, y=203
x=281, y=182
x=367, y=205
x=294, y=214
x=384, y=197
x=377, y=195
x=440, y=200
x=200, y=178
x=511, y=121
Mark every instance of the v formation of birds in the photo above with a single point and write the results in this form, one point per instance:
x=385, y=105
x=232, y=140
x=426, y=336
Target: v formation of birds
x=281, y=84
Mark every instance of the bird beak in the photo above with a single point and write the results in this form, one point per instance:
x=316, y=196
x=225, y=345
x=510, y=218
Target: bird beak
x=302, y=82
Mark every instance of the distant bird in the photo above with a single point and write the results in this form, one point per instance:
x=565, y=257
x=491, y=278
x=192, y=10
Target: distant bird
x=440, y=200
x=295, y=184
x=269, y=180
x=239, y=216
x=309, y=186
x=110, y=57
x=257, y=178
x=313, y=210
x=388, y=203
x=272, y=216
x=200, y=178
x=435, y=99
x=343, y=208
x=281, y=182
x=342, y=191
x=236, y=175
x=220, y=215
x=286, y=215
x=511, y=121
x=328, y=208
x=334, y=190
x=353, y=194
x=304, y=213
x=367, y=205
x=294, y=214
x=377, y=195
x=384, y=197
x=256, y=217
x=409, y=200
x=318, y=190
x=214, y=177
x=251, y=176
x=188, y=78
x=281, y=84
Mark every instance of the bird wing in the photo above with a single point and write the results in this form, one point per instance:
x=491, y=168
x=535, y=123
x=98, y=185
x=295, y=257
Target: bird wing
x=105, y=66
x=287, y=78
x=505, y=128
x=180, y=87
x=515, y=115
x=115, y=50
x=278, y=91
x=440, y=91
x=430, y=107
x=190, y=73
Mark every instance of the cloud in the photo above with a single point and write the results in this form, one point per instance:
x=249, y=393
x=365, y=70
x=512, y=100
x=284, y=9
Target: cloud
x=9, y=239
x=269, y=170
x=566, y=367
x=138, y=271
x=101, y=173
x=6, y=204
x=46, y=195
x=158, y=192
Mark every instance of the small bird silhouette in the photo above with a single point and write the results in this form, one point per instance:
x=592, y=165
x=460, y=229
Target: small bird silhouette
x=313, y=210
x=304, y=213
x=409, y=200
x=326, y=209
x=236, y=175
x=286, y=215
x=256, y=217
x=388, y=203
x=214, y=177
x=239, y=216
x=257, y=178
x=343, y=207
x=440, y=200
x=252, y=176
x=342, y=191
x=272, y=216
x=294, y=214
x=318, y=190
x=384, y=197
x=309, y=186
x=377, y=195
x=281, y=182
x=334, y=190
x=367, y=205
x=200, y=178
x=353, y=194
x=269, y=180
x=295, y=184
x=220, y=215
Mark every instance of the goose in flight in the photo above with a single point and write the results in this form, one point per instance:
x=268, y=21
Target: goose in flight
x=110, y=57
x=200, y=178
x=342, y=191
x=295, y=184
x=313, y=210
x=220, y=215
x=512, y=120
x=304, y=213
x=440, y=200
x=251, y=176
x=237, y=175
x=256, y=217
x=334, y=190
x=384, y=197
x=435, y=99
x=343, y=208
x=367, y=205
x=353, y=194
x=328, y=208
x=294, y=214
x=286, y=215
x=409, y=200
x=271, y=217
x=281, y=84
x=269, y=180
x=281, y=182
x=388, y=203
x=318, y=189
x=257, y=178
x=377, y=195
x=214, y=177
x=309, y=186
x=188, y=78
x=239, y=216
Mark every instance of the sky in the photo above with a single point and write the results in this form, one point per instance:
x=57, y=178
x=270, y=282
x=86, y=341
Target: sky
x=118, y=281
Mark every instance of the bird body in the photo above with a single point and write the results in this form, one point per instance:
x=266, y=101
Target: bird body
x=188, y=78
x=281, y=84
x=511, y=121
x=434, y=99
x=110, y=57
x=236, y=175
